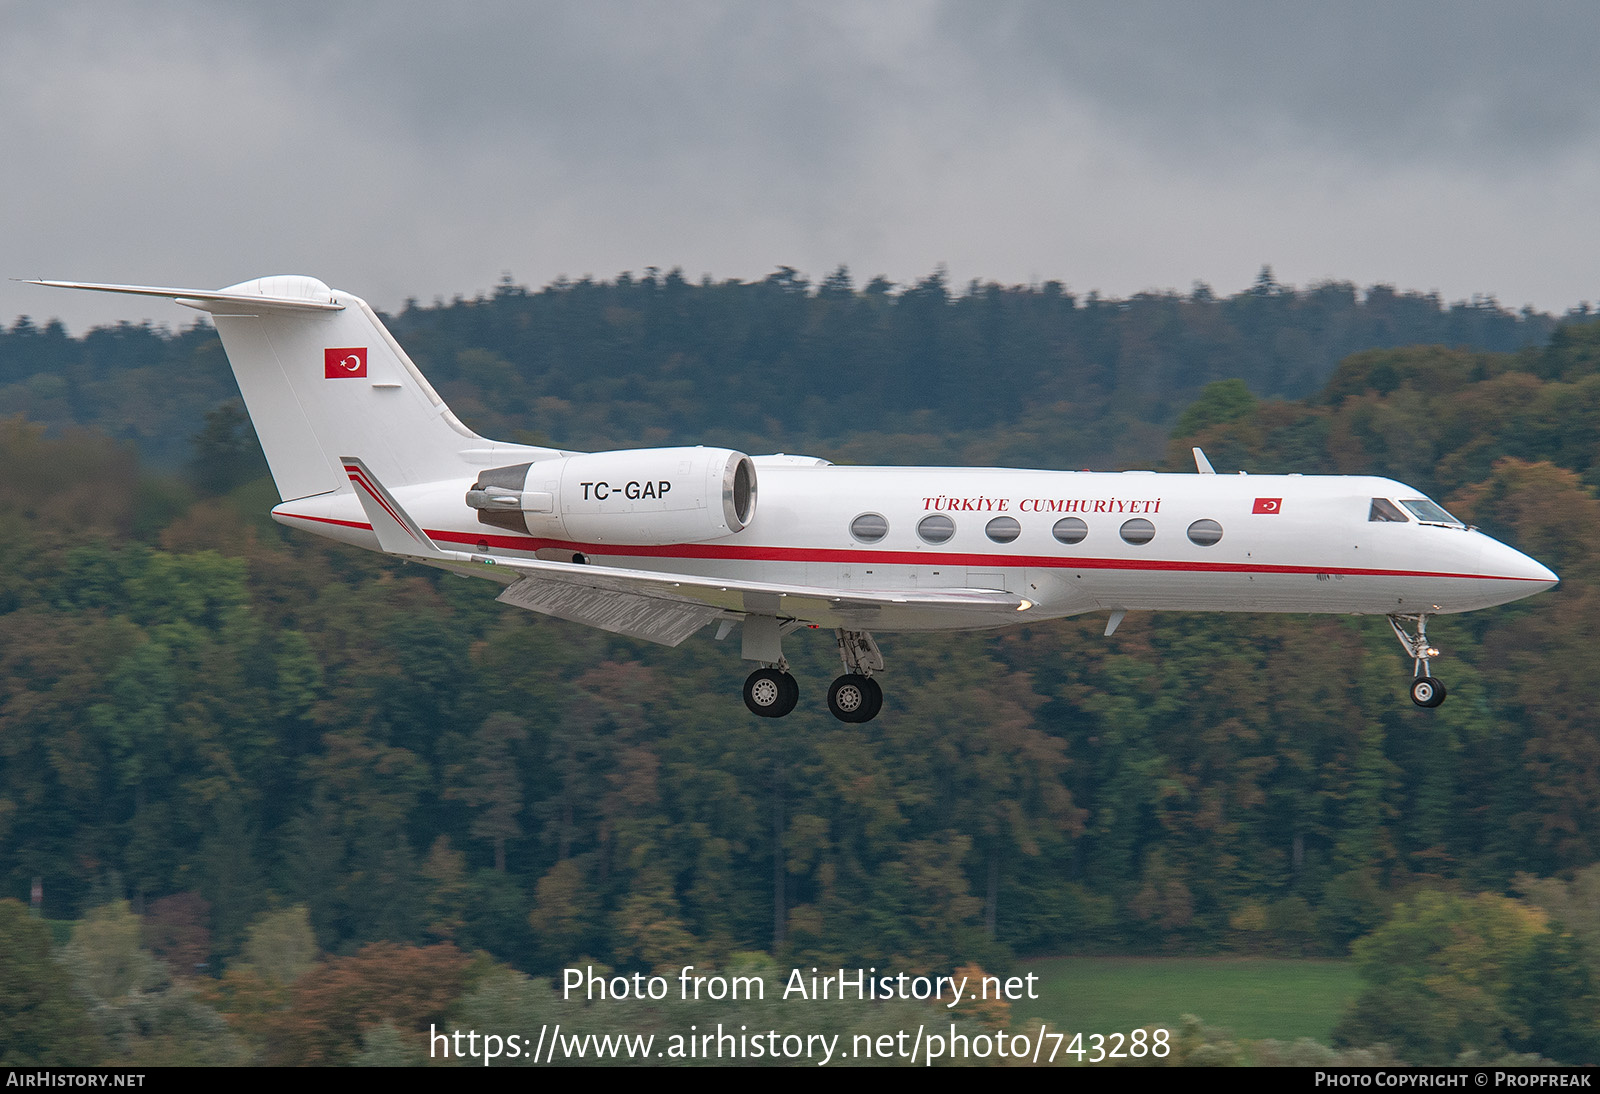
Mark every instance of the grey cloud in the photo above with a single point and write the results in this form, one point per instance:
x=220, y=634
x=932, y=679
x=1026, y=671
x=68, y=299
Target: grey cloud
x=626, y=83
x=400, y=149
x=1383, y=80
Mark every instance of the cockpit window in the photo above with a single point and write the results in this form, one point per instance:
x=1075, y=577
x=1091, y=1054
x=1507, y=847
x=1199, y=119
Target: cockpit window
x=1428, y=512
x=1385, y=510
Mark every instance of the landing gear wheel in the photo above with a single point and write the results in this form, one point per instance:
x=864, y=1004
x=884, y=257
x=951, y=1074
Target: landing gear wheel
x=877, y=700
x=770, y=693
x=1427, y=691
x=855, y=698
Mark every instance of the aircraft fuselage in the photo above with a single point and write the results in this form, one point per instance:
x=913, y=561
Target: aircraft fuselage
x=1134, y=541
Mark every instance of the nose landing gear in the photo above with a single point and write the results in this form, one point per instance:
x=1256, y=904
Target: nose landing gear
x=1426, y=690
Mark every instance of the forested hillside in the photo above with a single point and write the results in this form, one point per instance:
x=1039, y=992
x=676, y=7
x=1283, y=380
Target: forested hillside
x=1016, y=376
x=217, y=719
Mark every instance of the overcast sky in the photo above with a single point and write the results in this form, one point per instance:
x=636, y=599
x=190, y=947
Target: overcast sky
x=407, y=149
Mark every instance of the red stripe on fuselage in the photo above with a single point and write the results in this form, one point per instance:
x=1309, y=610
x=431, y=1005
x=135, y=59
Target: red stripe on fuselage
x=726, y=552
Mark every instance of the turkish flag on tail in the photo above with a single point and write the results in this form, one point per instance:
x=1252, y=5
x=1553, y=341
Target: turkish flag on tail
x=338, y=364
x=1268, y=505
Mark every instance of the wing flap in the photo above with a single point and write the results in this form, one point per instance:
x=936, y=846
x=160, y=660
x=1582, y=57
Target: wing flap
x=643, y=603
x=667, y=620
x=768, y=598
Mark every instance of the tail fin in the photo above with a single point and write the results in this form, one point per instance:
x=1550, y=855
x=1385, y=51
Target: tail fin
x=321, y=376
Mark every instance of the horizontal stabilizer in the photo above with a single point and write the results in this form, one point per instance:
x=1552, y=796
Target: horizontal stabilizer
x=204, y=299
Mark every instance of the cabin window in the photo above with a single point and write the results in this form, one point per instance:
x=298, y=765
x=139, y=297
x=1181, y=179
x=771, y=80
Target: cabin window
x=1137, y=531
x=1203, y=533
x=869, y=527
x=1428, y=512
x=1003, y=529
x=936, y=528
x=1385, y=510
x=1070, y=530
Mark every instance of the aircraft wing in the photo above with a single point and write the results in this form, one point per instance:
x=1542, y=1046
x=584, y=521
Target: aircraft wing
x=659, y=607
x=667, y=608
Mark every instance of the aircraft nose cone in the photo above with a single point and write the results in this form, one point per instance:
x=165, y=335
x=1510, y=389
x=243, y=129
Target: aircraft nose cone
x=1510, y=564
x=1540, y=574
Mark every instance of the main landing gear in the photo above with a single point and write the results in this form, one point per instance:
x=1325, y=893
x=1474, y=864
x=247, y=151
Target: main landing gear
x=856, y=696
x=1426, y=690
x=771, y=692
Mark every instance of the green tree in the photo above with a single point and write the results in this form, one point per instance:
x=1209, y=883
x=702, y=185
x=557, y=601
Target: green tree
x=1446, y=974
x=494, y=783
x=1220, y=401
x=44, y=1023
x=1552, y=995
x=281, y=946
x=226, y=452
x=145, y=1016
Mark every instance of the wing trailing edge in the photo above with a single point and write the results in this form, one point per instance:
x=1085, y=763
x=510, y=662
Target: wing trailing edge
x=655, y=618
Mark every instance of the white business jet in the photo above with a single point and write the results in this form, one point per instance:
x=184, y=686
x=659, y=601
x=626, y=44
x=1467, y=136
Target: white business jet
x=657, y=543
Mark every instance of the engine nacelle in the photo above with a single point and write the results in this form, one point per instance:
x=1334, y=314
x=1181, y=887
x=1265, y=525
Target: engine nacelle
x=632, y=496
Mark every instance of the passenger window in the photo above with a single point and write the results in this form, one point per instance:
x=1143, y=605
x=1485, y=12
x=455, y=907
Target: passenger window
x=1070, y=530
x=1203, y=533
x=1003, y=529
x=1385, y=510
x=936, y=528
x=1137, y=531
x=869, y=527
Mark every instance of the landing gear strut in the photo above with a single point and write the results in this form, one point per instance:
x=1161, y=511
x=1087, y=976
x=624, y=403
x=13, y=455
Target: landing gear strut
x=771, y=692
x=856, y=696
x=1426, y=690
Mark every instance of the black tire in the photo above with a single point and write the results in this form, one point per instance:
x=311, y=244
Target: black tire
x=877, y=700
x=770, y=693
x=1427, y=691
x=850, y=698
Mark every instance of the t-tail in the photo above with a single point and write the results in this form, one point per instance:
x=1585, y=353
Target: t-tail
x=321, y=376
